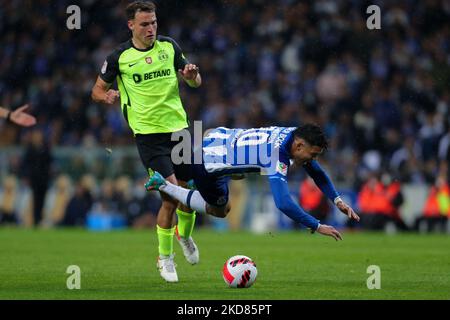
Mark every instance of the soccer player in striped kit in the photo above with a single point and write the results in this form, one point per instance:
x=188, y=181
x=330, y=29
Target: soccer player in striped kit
x=228, y=153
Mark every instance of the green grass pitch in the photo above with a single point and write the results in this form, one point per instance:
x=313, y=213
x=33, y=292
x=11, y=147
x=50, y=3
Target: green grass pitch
x=291, y=265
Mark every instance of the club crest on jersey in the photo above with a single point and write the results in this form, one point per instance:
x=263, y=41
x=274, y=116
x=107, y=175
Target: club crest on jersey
x=162, y=55
x=282, y=168
x=148, y=60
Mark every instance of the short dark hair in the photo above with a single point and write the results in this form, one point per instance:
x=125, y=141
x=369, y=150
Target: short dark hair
x=136, y=6
x=312, y=134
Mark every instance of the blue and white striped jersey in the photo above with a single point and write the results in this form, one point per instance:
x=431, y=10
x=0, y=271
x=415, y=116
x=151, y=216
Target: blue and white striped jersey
x=235, y=151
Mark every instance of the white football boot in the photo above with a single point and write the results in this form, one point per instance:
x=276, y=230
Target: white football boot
x=167, y=269
x=189, y=247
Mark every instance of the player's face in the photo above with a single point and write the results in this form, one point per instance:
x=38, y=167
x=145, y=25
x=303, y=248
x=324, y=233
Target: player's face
x=304, y=152
x=143, y=27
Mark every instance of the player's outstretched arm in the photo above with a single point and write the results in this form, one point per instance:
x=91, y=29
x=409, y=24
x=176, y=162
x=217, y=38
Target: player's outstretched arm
x=101, y=92
x=284, y=203
x=18, y=116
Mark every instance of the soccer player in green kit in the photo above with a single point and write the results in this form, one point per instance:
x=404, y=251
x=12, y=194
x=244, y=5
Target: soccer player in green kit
x=146, y=68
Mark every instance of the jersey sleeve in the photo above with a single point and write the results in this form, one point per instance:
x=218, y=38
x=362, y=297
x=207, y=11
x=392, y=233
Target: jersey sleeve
x=321, y=179
x=110, y=68
x=179, y=60
x=285, y=204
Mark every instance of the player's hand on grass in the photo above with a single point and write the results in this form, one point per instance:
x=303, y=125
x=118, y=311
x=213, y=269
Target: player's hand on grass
x=20, y=117
x=329, y=231
x=111, y=96
x=189, y=72
x=346, y=209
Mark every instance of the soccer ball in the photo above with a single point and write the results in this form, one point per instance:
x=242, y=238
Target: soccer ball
x=239, y=272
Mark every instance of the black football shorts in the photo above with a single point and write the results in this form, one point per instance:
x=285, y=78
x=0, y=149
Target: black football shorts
x=155, y=151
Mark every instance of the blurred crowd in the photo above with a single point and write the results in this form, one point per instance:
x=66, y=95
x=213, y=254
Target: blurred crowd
x=383, y=96
x=71, y=203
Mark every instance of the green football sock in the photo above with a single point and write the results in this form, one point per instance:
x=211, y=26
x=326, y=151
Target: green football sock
x=186, y=223
x=165, y=239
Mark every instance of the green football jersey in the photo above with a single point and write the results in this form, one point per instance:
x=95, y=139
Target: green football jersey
x=148, y=85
